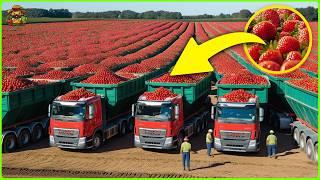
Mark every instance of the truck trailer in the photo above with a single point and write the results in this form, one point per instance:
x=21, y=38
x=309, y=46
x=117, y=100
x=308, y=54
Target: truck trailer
x=162, y=124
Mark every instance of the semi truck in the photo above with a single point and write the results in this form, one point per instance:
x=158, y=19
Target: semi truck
x=86, y=123
x=237, y=124
x=162, y=124
x=25, y=115
x=305, y=128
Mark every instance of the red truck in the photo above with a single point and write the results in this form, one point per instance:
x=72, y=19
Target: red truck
x=237, y=125
x=162, y=122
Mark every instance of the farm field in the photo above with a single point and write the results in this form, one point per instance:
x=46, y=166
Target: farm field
x=115, y=52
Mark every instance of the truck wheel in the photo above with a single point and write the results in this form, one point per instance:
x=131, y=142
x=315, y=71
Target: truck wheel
x=24, y=138
x=9, y=143
x=316, y=153
x=310, y=149
x=37, y=133
x=296, y=135
x=123, y=129
x=131, y=125
x=96, y=141
x=302, y=142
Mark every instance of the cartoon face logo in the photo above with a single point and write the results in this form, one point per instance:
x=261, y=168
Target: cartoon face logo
x=16, y=16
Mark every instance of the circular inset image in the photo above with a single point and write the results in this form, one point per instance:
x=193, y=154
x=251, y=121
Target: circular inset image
x=287, y=35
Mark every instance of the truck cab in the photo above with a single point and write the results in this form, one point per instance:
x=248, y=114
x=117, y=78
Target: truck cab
x=237, y=125
x=158, y=124
x=76, y=124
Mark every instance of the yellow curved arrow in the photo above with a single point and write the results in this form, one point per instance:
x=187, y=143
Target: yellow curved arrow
x=194, y=58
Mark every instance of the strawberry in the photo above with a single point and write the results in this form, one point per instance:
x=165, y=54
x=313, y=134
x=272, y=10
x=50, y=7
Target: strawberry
x=255, y=51
x=272, y=16
x=287, y=44
x=271, y=55
x=265, y=30
x=271, y=65
x=284, y=13
x=303, y=37
x=284, y=33
x=290, y=25
x=288, y=65
x=294, y=16
x=294, y=56
x=301, y=25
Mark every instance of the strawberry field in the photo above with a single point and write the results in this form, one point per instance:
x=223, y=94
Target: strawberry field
x=112, y=52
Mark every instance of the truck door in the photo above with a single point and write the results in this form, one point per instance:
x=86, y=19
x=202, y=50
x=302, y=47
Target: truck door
x=91, y=119
x=177, y=122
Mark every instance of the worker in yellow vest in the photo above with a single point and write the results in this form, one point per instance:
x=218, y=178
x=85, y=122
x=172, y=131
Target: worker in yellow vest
x=209, y=141
x=185, y=151
x=271, y=144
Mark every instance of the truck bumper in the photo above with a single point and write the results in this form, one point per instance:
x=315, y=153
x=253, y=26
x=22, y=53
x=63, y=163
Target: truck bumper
x=235, y=146
x=168, y=143
x=69, y=143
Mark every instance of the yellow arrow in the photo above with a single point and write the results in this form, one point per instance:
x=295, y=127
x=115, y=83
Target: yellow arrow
x=194, y=58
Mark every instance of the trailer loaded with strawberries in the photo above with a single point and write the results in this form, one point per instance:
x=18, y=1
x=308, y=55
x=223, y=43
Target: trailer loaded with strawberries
x=173, y=107
x=302, y=96
x=24, y=110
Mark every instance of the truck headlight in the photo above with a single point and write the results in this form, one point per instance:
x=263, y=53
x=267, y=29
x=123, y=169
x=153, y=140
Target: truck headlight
x=137, y=139
x=51, y=140
x=252, y=143
x=168, y=140
x=82, y=140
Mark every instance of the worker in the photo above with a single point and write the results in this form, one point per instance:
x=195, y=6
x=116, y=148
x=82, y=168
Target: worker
x=185, y=151
x=209, y=141
x=271, y=144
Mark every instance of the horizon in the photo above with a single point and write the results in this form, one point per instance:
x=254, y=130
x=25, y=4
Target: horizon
x=185, y=8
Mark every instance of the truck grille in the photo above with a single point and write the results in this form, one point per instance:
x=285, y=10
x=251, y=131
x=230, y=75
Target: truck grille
x=235, y=135
x=66, y=137
x=60, y=132
x=152, y=137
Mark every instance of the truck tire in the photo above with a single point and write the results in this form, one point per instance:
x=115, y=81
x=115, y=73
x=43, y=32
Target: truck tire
x=316, y=153
x=296, y=135
x=123, y=128
x=24, y=137
x=37, y=133
x=96, y=141
x=9, y=143
x=310, y=149
x=302, y=142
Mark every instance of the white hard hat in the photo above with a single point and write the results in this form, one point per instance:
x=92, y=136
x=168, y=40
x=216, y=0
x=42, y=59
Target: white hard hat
x=186, y=138
x=210, y=130
x=271, y=132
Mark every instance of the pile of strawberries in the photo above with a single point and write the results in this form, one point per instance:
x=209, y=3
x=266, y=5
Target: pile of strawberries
x=192, y=78
x=309, y=84
x=286, y=37
x=12, y=83
x=159, y=94
x=239, y=95
x=247, y=78
x=104, y=77
x=76, y=95
x=135, y=68
x=57, y=75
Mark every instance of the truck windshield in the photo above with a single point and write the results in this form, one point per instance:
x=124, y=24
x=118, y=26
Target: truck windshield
x=246, y=114
x=68, y=113
x=154, y=113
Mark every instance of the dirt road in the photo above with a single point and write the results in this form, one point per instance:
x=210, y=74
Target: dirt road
x=118, y=158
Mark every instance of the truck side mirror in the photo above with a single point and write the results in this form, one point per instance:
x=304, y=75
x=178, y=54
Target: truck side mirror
x=261, y=114
x=213, y=108
x=133, y=108
x=176, y=112
x=49, y=110
x=91, y=111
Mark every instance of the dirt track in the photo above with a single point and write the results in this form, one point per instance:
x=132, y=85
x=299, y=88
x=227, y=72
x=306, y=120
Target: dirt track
x=118, y=158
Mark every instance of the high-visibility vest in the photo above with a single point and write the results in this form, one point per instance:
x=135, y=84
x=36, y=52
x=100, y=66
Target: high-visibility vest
x=185, y=147
x=271, y=140
x=209, y=138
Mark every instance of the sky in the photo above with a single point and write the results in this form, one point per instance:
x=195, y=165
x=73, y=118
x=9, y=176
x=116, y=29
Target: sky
x=186, y=8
